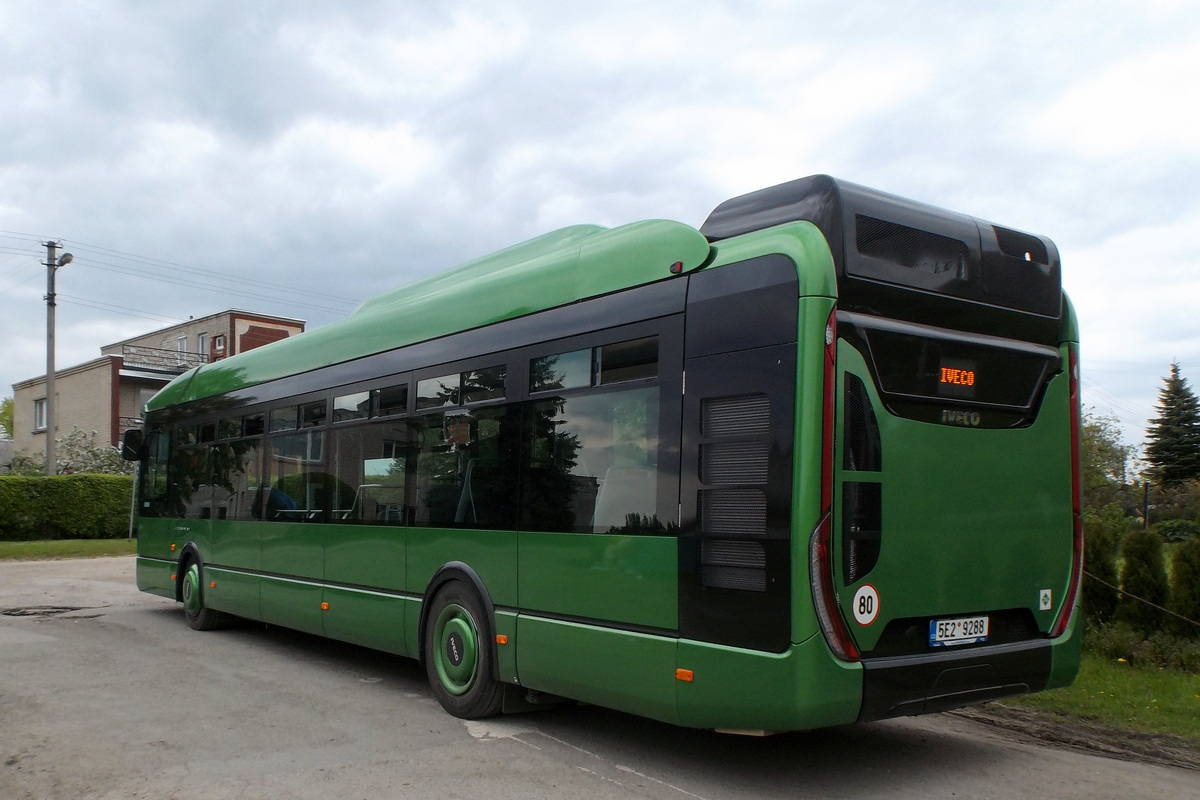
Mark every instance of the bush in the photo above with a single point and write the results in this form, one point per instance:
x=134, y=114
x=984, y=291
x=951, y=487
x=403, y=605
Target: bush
x=1119, y=640
x=64, y=507
x=1102, y=534
x=1185, y=588
x=1143, y=576
x=1177, y=530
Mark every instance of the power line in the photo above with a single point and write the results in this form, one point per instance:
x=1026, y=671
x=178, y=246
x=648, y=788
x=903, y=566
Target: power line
x=102, y=259
x=130, y=312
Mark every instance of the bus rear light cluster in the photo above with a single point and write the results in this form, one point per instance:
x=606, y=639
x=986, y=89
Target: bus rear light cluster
x=820, y=575
x=1064, y=613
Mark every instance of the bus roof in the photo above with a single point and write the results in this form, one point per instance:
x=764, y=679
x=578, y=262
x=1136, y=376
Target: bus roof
x=556, y=269
x=878, y=238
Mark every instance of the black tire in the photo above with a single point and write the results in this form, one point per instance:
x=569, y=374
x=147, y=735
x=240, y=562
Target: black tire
x=459, y=657
x=191, y=590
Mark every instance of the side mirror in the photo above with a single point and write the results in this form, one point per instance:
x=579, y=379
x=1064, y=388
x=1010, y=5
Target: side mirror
x=131, y=445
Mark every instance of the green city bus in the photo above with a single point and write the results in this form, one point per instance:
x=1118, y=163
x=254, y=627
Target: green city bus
x=813, y=463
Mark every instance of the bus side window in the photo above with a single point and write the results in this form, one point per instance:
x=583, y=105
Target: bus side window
x=298, y=488
x=370, y=468
x=466, y=468
x=593, y=464
x=239, y=480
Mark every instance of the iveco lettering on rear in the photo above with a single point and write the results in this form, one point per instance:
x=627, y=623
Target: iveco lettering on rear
x=865, y=505
x=969, y=419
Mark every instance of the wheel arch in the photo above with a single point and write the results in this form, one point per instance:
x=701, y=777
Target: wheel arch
x=189, y=552
x=458, y=571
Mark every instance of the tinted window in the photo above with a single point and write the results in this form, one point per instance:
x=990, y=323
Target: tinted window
x=627, y=361
x=375, y=461
x=483, y=384
x=562, y=371
x=284, y=419
x=391, y=400
x=351, y=406
x=438, y=392
x=594, y=464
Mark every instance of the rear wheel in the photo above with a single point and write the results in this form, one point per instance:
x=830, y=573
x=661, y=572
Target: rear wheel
x=458, y=653
x=191, y=591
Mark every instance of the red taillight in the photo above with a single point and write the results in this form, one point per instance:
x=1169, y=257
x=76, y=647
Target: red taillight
x=1064, y=613
x=820, y=561
x=820, y=576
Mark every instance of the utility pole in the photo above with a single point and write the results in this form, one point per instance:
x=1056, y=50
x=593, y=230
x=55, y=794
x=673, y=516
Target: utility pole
x=52, y=265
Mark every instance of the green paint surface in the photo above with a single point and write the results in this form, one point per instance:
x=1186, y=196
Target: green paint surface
x=366, y=618
x=627, y=671
x=620, y=578
x=154, y=577
x=492, y=554
x=804, y=687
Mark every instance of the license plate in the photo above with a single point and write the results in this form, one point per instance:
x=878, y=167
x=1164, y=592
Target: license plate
x=966, y=630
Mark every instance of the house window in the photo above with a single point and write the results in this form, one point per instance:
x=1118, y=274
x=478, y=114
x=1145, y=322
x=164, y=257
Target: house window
x=181, y=348
x=202, y=345
x=39, y=414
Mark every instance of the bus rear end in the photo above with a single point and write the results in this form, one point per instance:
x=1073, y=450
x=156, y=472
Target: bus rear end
x=948, y=552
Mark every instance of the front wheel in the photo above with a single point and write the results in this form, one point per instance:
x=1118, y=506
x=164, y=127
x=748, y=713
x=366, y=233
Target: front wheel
x=199, y=616
x=459, y=655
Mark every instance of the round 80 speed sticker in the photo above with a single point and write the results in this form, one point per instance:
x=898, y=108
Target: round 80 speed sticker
x=866, y=604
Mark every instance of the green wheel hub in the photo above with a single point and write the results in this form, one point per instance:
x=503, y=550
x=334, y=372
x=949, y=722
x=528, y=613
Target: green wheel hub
x=191, y=590
x=456, y=649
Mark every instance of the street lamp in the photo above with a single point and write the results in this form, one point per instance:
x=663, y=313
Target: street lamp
x=52, y=264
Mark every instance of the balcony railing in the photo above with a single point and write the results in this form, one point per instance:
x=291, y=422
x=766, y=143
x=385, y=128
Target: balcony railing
x=175, y=361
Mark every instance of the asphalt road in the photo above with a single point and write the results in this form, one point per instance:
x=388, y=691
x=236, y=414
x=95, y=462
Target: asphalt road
x=120, y=699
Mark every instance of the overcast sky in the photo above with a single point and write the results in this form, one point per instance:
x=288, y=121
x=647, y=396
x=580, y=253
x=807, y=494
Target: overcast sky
x=296, y=158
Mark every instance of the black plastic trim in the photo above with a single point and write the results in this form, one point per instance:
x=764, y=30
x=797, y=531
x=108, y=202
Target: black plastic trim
x=922, y=684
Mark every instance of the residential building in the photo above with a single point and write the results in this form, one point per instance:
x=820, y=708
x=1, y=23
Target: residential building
x=107, y=395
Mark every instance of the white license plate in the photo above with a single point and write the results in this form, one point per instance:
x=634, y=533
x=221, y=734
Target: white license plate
x=965, y=630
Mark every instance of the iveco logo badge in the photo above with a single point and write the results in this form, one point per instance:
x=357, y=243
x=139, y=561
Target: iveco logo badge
x=968, y=419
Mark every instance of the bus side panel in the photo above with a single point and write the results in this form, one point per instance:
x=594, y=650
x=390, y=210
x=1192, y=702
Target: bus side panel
x=236, y=553
x=293, y=563
x=157, y=561
x=234, y=592
x=620, y=578
x=362, y=558
x=732, y=688
x=370, y=619
x=156, y=576
x=627, y=671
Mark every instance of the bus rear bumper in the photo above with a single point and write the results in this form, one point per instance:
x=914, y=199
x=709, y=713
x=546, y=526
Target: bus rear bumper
x=931, y=682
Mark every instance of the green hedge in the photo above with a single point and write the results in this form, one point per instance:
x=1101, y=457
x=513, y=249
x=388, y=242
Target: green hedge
x=64, y=507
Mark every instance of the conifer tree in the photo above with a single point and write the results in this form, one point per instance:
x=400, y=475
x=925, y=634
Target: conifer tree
x=1173, y=439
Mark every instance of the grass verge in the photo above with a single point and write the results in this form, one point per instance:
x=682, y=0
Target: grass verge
x=66, y=548
x=1117, y=695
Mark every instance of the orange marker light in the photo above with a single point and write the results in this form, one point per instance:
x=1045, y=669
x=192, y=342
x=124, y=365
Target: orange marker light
x=324, y=606
x=212, y=585
x=172, y=576
x=501, y=638
x=683, y=675
x=172, y=548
